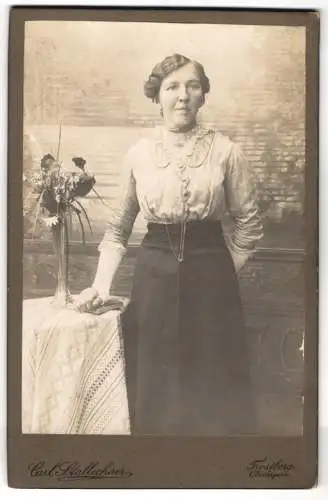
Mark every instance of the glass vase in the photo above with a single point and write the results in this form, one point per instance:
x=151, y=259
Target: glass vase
x=62, y=297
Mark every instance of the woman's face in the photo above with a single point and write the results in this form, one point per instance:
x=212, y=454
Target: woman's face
x=180, y=97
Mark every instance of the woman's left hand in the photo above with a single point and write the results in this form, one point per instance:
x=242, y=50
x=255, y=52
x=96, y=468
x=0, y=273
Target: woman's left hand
x=239, y=260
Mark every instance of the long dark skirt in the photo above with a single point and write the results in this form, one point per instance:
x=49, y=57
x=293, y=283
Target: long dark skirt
x=187, y=361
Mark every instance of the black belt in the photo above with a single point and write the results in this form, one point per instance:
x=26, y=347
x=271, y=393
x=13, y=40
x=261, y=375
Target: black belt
x=198, y=235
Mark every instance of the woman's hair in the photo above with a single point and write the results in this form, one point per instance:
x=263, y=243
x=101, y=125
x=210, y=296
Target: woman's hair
x=165, y=68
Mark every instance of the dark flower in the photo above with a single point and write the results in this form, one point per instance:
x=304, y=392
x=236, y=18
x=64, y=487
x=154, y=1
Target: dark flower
x=46, y=162
x=84, y=185
x=79, y=162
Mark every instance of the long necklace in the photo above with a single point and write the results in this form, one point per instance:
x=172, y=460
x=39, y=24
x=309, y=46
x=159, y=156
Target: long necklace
x=180, y=164
x=180, y=255
x=193, y=153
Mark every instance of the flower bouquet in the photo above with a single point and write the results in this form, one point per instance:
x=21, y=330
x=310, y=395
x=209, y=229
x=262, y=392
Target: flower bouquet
x=57, y=191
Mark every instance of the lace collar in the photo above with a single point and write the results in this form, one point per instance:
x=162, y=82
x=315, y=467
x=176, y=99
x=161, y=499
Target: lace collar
x=188, y=148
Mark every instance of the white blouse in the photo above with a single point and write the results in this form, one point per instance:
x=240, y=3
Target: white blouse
x=171, y=177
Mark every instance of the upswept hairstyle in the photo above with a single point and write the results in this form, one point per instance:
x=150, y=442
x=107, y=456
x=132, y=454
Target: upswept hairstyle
x=165, y=68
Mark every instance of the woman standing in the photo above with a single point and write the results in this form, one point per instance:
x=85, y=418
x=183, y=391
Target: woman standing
x=188, y=369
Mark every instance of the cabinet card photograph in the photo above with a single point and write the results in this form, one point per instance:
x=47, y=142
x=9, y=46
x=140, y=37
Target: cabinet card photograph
x=162, y=246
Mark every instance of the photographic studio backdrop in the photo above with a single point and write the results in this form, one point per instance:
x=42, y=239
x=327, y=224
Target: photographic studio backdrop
x=89, y=77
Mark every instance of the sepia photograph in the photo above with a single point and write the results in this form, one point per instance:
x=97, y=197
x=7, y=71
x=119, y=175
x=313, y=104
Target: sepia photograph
x=163, y=288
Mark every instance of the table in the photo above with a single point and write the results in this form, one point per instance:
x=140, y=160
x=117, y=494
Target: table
x=73, y=377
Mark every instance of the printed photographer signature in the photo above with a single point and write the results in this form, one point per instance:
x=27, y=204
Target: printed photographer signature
x=66, y=470
x=272, y=469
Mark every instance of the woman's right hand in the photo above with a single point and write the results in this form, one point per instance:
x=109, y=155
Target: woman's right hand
x=99, y=292
x=89, y=299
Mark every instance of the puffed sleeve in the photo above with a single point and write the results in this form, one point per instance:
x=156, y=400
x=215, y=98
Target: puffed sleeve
x=241, y=199
x=124, y=209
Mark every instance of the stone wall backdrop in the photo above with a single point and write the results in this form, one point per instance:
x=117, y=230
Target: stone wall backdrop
x=89, y=77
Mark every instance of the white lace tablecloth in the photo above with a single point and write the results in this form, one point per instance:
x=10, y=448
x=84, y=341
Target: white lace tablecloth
x=73, y=378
